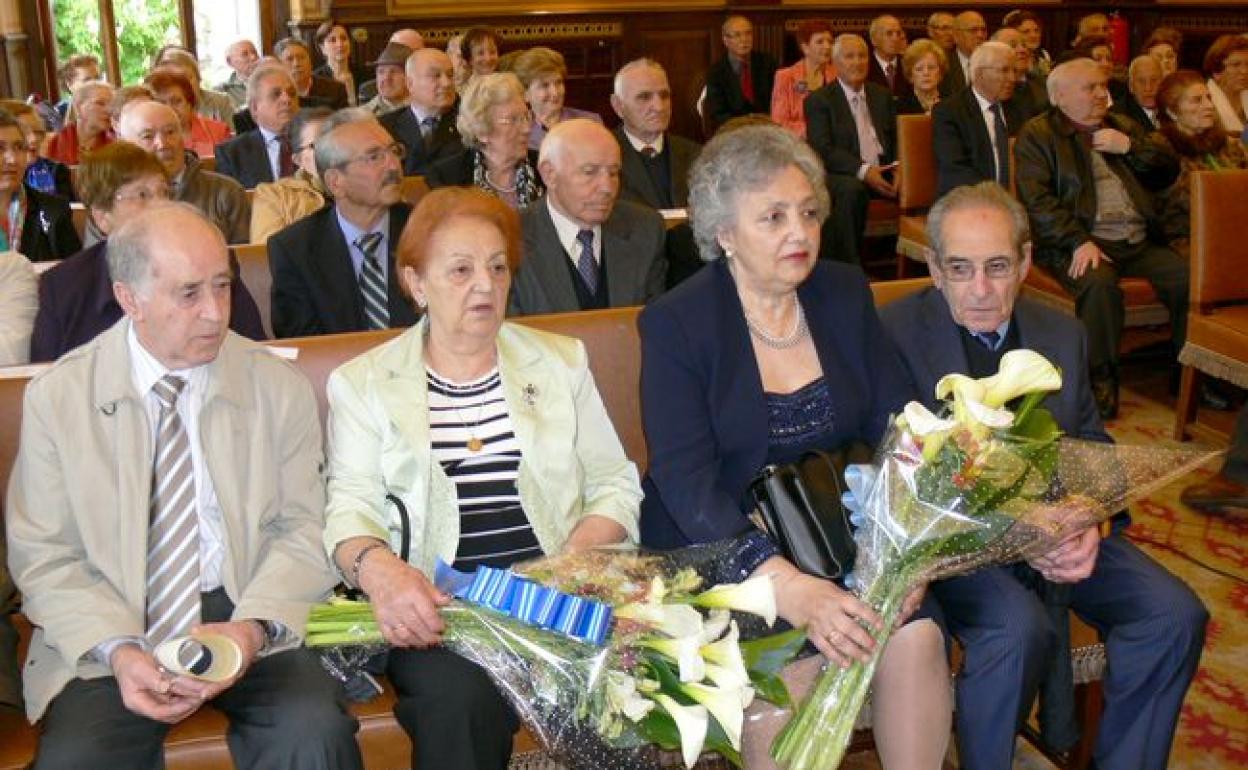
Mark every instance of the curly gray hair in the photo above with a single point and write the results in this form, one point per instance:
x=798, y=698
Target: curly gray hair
x=744, y=160
x=482, y=94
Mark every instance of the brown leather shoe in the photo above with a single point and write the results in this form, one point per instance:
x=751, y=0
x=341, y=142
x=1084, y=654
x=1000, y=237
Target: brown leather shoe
x=1219, y=495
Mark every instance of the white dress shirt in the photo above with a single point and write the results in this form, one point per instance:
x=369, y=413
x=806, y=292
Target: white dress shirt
x=990, y=121
x=567, y=231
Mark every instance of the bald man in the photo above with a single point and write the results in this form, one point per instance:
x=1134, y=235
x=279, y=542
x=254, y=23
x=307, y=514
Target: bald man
x=888, y=43
x=155, y=128
x=969, y=32
x=1087, y=178
x=426, y=127
x=583, y=248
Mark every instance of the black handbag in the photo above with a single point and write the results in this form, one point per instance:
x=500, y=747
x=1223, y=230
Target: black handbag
x=801, y=508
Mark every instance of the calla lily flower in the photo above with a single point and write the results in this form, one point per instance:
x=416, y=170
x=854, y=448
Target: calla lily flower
x=724, y=704
x=623, y=696
x=684, y=651
x=727, y=653
x=960, y=387
x=755, y=596
x=715, y=624
x=986, y=415
x=691, y=722
x=675, y=620
x=1020, y=372
x=731, y=680
x=922, y=422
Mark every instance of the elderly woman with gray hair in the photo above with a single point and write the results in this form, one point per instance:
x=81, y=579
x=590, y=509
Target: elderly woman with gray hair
x=493, y=124
x=765, y=354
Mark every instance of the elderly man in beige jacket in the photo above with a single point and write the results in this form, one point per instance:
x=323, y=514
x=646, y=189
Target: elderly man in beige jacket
x=168, y=482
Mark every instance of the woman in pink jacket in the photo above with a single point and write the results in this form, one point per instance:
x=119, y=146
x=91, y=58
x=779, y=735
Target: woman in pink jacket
x=814, y=71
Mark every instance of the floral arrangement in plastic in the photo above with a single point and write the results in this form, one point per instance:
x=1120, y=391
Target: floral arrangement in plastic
x=603, y=654
x=976, y=485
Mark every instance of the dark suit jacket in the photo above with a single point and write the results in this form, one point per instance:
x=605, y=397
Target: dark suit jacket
x=457, y=169
x=724, y=100
x=325, y=92
x=908, y=104
x=315, y=289
x=1131, y=107
x=930, y=346
x=245, y=159
x=954, y=79
x=964, y=153
x=48, y=229
x=1053, y=170
x=833, y=133
x=875, y=74
x=76, y=304
x=635, y=182
x=702, y=398
x=632, y=255
x=444, y=141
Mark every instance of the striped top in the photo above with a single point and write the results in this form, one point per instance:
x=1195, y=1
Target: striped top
x=493, y=528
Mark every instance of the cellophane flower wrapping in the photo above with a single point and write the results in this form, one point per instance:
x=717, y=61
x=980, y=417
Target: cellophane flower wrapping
x=610, y=706
x=948, y=503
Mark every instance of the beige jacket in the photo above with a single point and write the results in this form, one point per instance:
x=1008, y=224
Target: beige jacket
x=77, y=509
x=277, y=205
x=572, y=461
x=19, y=302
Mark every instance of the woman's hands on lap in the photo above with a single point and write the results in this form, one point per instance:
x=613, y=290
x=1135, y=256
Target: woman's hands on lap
x=833, y=617
x=404, y=601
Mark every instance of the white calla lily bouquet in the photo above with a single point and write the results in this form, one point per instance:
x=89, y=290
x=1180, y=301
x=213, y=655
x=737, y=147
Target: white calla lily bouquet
x=673, y=672
x=980, y=483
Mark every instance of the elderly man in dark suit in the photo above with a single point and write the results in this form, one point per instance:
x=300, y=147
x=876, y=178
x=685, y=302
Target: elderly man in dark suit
x=971, y=130
x=888, y=43
x=426, y=127
x=334, y=271
x=263, y=154
x=1087, y=177
x=1143, y=81
x=1153, y=624
x=583, y=248
x=741, y=82
x=852, y=124
x=969, y=32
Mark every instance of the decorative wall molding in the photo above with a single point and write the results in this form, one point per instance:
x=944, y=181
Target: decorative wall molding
x=426, y=8
x=533, y=33
x=1237, y=23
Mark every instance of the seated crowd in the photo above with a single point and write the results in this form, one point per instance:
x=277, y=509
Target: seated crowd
x=760, y=342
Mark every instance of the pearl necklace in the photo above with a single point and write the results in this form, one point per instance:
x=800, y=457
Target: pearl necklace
x=798, y=334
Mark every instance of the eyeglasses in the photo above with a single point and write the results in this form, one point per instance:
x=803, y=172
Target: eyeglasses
x=379, y=155
x=523, y=119
x=144, y=195
x=961, y=270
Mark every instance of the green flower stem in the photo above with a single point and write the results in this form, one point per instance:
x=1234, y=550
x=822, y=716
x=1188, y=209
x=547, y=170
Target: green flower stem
x=817, y=735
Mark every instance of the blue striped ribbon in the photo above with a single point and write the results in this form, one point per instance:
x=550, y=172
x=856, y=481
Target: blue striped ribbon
x=579, y=617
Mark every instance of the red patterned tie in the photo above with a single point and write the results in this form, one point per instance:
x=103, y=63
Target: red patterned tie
x=285, y=163
x=747, y=83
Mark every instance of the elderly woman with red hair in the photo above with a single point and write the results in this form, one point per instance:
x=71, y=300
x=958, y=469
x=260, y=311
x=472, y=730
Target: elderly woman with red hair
x=812, y=72
x=173, y=89
x=1189, y=125
x=493, y=439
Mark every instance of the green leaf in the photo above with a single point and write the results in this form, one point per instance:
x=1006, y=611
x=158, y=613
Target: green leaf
x=1036, y=424
x=770, y=688
x=669, y=681
x=771, y=653
x=659, y=728
x=717, y=741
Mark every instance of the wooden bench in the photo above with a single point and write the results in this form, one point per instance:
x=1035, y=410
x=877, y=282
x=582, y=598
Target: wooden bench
x=613, y=345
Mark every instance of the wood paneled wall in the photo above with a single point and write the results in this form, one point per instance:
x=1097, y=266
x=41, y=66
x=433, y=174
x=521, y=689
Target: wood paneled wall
x=687, y=42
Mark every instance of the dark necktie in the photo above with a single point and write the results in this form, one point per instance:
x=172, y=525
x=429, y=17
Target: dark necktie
x=173, y=532
x=747, y=82
x=890, y=72
x=586, y=265
x=649, y=151
x=989, y=340
x=1002, y=145
x=285, y=162
x=373, y=283
x=426, y=128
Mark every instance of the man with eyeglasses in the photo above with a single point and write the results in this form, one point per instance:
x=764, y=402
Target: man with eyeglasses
x=263, y=154
x=36, y=224
x=426, y=127
x=1012, y=621
x=940, y=30
x=969, y=32
x=334, y=271
x=741, y=82
x=971, y=129
x=155, y=127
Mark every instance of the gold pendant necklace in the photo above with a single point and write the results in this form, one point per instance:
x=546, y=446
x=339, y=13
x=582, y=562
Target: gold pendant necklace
x=475, y=444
